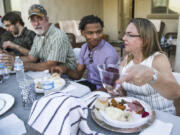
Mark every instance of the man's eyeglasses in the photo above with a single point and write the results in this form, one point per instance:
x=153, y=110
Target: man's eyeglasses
x=130, y=35
x=90, y=57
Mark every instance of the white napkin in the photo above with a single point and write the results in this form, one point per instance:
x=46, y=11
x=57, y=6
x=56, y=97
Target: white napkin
x=76, y=89
x=58, y=113
x=158, y=128
x=12, y=125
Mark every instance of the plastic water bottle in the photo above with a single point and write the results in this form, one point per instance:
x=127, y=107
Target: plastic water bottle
x=19, y=68
x=1, y=73
x=48, y=83
x=170, y=40
x=162, y=40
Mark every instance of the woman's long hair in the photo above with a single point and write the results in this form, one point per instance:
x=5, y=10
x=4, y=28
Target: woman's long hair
x=149, y=36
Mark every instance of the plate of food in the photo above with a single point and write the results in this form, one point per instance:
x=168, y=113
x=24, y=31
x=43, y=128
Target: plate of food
x=122, y=114
x=58, y=83
x=6, y=102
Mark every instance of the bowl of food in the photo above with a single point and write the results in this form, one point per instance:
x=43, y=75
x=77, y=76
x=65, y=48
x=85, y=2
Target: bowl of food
x=57, y=80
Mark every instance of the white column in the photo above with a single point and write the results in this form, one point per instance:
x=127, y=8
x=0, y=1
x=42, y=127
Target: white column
x=177, y=57
x=1, y=8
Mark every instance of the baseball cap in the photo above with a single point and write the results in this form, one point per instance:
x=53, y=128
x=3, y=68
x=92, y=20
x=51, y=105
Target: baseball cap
x=37, y=9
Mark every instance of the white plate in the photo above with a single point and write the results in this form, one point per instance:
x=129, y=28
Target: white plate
x=9, y=101
x=2, y=103
x=76, y=89
x=137, y=120
x=57, y=87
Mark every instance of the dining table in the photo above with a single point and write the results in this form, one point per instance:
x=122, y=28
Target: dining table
x=10, y=86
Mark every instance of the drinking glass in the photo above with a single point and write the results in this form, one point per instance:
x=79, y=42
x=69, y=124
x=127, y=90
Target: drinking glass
x=109, y=73
x=27, y=89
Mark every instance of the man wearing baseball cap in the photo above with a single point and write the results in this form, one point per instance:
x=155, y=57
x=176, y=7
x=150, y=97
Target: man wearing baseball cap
x=51, y=46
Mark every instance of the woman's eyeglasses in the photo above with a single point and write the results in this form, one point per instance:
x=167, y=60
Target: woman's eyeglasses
x=90, y=57
x=130, y=35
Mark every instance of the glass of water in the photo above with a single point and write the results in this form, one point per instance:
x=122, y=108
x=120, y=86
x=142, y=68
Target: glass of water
x=27, y=89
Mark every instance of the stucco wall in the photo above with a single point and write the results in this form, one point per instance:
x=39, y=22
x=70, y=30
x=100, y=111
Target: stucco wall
x=110, y=16
x=143, y=9
x=61, y=9
x=72, y=9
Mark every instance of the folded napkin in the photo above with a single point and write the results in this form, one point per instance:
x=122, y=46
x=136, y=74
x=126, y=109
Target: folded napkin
x=60, y=114
x=76, y=89
x=158, y=128
x=12, y=125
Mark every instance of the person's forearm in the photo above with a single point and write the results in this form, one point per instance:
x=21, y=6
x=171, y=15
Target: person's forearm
x=74, y=74
x=26, y=59
x=22, y=50
x=167, y=87
x=38, y=66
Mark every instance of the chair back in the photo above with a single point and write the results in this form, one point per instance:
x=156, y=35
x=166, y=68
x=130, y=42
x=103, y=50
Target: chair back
x=159, y=25
x=72, y=26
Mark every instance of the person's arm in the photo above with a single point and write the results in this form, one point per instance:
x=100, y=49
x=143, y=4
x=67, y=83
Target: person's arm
x=9, y=44
x=165, y=84
x=28, y=59
x=74, y=74
x=40, y=66
x=77, y=73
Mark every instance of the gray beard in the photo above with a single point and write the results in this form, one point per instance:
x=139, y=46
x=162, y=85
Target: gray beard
x=39, y=32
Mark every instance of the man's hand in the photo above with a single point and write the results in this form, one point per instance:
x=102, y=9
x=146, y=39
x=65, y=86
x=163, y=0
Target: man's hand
x=7, y=59
x=58, y=69
x=9, y=44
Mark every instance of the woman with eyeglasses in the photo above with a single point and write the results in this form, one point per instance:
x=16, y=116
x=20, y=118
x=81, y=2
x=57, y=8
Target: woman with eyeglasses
x=147, y=73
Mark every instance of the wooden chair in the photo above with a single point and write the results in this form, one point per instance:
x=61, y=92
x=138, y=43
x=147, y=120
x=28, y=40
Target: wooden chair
x=71, y=26
x=71, y=36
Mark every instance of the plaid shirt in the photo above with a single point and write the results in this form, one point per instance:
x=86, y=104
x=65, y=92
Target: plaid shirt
x=54, y=46
x=25, y=40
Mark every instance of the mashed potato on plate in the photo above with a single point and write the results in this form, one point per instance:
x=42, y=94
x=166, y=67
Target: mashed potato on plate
x=118, y=114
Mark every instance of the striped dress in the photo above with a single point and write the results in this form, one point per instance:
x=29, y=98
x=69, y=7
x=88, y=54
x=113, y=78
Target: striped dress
x=146, y=92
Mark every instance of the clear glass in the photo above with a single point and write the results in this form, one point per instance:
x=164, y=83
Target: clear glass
x=109, y=73
x=27, y=89
x=6, y=72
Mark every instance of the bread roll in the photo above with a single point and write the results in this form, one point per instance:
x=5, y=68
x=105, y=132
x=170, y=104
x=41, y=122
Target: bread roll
x=101, y=103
